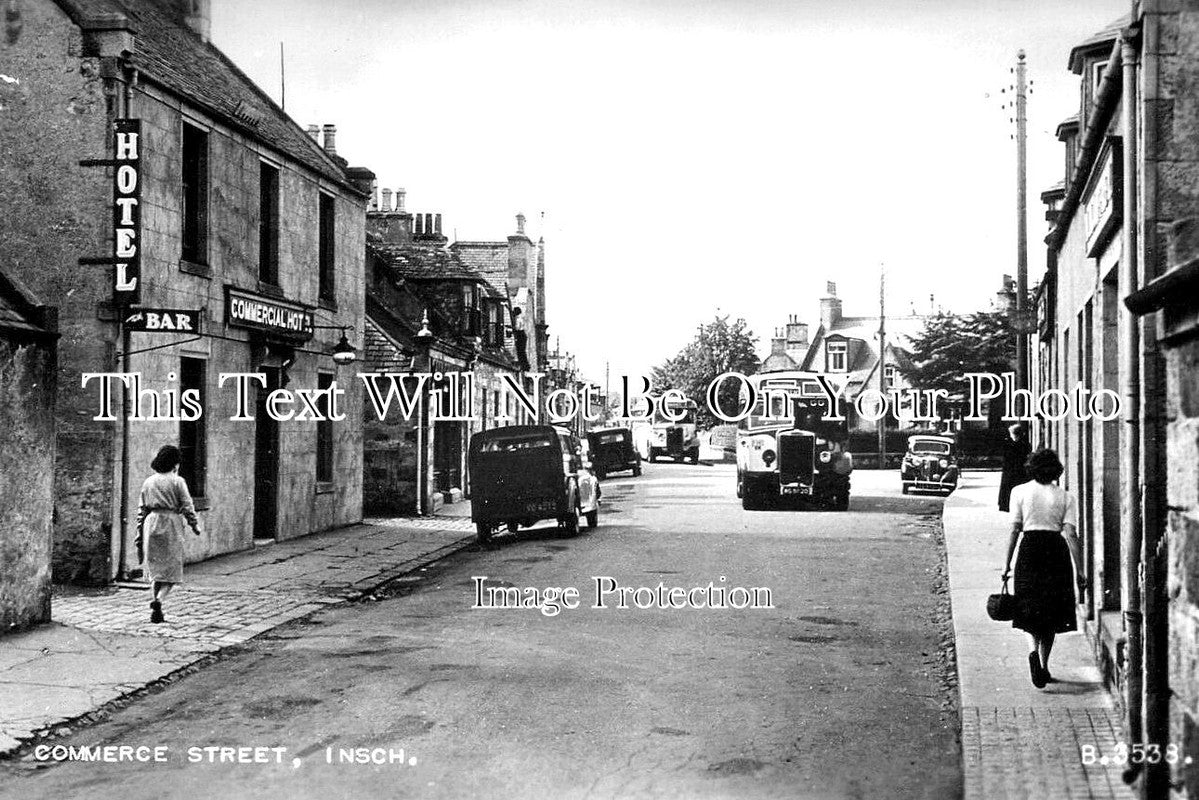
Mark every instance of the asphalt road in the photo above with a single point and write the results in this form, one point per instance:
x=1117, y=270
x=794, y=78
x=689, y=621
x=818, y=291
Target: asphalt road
x=841, y=690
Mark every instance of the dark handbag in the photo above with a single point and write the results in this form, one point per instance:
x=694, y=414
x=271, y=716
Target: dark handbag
x=1002, y=607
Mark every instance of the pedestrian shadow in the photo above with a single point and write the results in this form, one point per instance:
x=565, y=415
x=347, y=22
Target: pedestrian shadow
x=1059, y=686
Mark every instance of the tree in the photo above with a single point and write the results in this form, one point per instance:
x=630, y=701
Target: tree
x=718, y=347
x=951, y=345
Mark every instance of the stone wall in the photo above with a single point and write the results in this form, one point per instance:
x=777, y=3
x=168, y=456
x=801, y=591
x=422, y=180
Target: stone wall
x=26, y=483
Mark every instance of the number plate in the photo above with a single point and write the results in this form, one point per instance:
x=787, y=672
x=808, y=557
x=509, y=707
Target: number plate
x=796, y=489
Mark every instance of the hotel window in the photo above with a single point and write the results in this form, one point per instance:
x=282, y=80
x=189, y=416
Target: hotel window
x=835, y=356
x=193, y=444
x=324, y=431
x=268, y=224
x=195, y=195
x=325, y=256
x=889, y=376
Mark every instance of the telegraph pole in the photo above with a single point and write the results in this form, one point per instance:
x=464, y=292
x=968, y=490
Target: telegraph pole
x=882, y=363
x=1021, y=225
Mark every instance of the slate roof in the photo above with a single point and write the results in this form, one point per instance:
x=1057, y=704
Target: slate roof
x=422, y=262
x=490, y=259
x=171, y=55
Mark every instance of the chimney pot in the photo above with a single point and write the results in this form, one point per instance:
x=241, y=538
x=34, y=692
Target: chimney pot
x=400, y=195
x=315, y=132
x=331, y=139
x=520, y=224
x=437, y=224
x=386, y=207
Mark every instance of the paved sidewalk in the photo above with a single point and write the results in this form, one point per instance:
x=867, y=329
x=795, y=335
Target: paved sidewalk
x=101, y=645
x=1019, y=741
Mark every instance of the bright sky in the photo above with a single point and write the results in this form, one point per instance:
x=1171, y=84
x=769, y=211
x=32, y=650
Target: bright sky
x=695, y=156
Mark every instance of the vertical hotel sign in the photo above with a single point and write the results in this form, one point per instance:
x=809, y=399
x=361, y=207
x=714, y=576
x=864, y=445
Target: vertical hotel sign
x=127, y=214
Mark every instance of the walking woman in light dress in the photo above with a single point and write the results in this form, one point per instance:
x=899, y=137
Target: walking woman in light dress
x=1045, y=522
x=166, y=505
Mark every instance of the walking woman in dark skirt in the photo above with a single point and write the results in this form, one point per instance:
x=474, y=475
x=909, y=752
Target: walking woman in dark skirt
x=165, y=507
x=1045, y=522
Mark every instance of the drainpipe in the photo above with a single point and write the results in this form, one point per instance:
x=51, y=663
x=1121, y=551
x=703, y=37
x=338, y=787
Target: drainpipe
x=1155, y=685
x=1130, y=380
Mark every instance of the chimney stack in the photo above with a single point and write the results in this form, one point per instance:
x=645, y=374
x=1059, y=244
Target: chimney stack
x=796, y=332
x=331, y=139
x=830, y=308
x=778, y=345
x=195, y=14
x=386, y=206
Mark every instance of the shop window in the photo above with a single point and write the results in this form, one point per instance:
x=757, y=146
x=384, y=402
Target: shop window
x=268, y=224
x=324, y=431
x=325, y=256
x=195, y=195
x=836, y=355
x=193, y=438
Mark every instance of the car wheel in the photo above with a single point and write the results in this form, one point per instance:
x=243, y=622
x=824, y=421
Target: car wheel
x=740, y=486
x=637, y=471
x=841, y=502
x=695, y=456
x=653, y=455
x=906, y=488
x=592, y=518
x=483, y=532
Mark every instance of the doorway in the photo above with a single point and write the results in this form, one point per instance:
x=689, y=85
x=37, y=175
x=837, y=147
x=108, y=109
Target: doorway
x=266, y=462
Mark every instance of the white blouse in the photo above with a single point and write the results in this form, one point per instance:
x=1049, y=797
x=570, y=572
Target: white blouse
x=1043, y=507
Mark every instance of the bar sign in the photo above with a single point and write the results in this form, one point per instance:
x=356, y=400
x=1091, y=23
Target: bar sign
x=127, y=215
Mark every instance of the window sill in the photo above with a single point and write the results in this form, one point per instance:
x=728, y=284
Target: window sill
x=270, y=290
x=193, y=268
x=327, y=303
x=325, y=487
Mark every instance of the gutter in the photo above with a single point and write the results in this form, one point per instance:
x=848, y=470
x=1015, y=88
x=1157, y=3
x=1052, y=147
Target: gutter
x=1110, y=89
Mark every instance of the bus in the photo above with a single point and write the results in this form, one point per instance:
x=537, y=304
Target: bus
x=787, y=449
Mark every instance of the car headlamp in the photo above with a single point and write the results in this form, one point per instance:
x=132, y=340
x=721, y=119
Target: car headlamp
x=825, y=456
x=944, y=463
x=768, y=457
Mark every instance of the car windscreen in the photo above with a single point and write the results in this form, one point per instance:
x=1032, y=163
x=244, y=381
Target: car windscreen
x=516, y=443
x=929, y=446
x=611, y=438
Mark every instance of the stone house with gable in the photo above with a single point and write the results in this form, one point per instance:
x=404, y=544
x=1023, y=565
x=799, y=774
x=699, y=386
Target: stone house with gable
x=142, y=172
x=414, y=278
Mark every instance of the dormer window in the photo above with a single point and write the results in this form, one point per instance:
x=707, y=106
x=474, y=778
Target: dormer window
x=1097, y=70
x=836, y=355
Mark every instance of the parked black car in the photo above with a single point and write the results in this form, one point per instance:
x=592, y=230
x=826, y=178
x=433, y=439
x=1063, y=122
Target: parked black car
x=612, y=451
x=931, y=463
x=524, y=473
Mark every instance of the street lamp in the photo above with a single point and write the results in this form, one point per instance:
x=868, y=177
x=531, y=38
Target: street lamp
x=343, y=351
x=424, y=341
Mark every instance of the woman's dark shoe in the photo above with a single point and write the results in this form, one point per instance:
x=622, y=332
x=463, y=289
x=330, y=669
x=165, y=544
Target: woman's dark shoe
x=156, y=611
x=1036, y=671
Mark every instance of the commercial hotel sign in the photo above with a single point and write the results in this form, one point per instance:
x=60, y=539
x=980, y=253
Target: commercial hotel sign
x=270, y=315
x=1102, y=199
x=127, y=215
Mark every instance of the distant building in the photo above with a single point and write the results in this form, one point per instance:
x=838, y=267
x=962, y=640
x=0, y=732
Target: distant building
x=847, y=348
